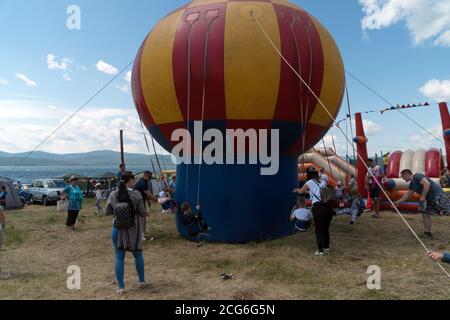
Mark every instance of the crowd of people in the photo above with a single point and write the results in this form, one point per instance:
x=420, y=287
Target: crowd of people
x=327, y=202
x=317, y=204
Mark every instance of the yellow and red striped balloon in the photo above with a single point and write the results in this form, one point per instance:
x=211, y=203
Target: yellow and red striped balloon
x=212, y=53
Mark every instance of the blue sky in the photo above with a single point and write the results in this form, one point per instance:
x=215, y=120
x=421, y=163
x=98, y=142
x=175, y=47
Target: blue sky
x=47, y=70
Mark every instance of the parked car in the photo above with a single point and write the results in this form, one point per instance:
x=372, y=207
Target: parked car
x=46, y=191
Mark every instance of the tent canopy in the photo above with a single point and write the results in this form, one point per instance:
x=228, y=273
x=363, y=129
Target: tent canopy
x=12, y=200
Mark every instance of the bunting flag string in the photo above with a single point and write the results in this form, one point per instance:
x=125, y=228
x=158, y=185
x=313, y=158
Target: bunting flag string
x=382, y=111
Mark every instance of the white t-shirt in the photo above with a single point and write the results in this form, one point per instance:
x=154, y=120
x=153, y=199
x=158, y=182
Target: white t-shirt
x=374, y=172
x=324, y=179
x=314, y=190
x=303, y=214
x=98, y=195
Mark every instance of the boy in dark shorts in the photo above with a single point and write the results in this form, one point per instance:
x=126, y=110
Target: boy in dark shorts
x=373, y=182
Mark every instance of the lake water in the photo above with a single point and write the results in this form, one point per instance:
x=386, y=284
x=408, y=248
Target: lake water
x=28, y=174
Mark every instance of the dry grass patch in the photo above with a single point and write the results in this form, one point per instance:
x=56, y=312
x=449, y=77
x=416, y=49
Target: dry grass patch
x=38, y=250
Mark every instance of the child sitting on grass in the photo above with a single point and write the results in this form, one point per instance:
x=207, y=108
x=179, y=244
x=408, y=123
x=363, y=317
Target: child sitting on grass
x=168, y=205
x=194, y=223
x=356, y=207
x=301, y=215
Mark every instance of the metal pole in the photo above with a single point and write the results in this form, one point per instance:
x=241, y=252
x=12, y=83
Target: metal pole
x=122, y=152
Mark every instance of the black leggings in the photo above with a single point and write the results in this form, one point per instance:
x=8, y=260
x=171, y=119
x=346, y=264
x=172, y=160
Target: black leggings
x=72, y=218
x=323, y=214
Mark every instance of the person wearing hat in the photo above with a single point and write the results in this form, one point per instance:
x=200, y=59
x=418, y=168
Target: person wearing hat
x=144, y=186
x=75, y=196
x=322, y=211
x=98, y=197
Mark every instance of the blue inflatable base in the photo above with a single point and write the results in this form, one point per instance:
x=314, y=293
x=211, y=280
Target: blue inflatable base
x=239, y=204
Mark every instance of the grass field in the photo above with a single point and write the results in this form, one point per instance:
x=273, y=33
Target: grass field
x=37, y=251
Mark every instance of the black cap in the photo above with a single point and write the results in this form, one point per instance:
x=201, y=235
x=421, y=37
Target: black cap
x=311, y=170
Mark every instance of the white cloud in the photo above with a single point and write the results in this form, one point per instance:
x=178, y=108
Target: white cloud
x=104, y=67
x=426, y=20
x=3, y=82
x=123, y=88
x=26, y=122
x=332, y=141
x=437, y=90
x=64, y=64
x=26, y=80
x=424, y=140
x=67, y=77
x=128, y=77
x=370, y=128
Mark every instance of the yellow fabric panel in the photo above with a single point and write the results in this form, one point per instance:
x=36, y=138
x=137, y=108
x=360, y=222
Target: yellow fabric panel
x=333, y=78
x=196, y=3
x=287, y=4
x=157, y=71
x=252, y=67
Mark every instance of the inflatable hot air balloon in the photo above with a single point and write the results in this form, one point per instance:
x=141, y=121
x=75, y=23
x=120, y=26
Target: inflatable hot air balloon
x=211, y=62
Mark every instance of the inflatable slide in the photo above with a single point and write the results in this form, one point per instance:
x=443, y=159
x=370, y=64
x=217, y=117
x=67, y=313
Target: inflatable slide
x=429, y=163
x=335, y=167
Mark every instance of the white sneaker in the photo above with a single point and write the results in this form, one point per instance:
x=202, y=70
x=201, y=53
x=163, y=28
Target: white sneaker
x=142, y=285
x=120, y=292
x=319, y=253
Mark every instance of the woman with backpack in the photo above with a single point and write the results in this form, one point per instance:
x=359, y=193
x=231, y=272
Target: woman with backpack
x=322, y=209
x=127, y=205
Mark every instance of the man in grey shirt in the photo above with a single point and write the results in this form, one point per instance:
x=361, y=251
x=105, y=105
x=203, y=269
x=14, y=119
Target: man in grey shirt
x=433, y=200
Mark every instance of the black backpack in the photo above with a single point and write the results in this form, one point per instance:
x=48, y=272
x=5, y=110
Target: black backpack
x=327, y=194
x=124, y=216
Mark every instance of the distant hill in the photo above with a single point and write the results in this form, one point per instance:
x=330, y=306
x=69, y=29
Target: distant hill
x=95, y=158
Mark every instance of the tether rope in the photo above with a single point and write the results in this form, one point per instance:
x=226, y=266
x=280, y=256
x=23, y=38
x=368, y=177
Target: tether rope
x=205, y=73
x=69, y=118
x=305, y=130
x=326, y=156
x=188, y=119
x=349, y=108
x=148, y=148
x=299, y=61
x=392, y=105
x=359, y=156
x=339, y=168
x=157, y=161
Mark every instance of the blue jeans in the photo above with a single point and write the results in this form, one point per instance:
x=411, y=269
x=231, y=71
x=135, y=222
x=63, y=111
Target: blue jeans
x=119, y=261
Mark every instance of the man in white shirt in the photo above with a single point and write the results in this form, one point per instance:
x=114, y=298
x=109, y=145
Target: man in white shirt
x=323, y=177
x=373, y=182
